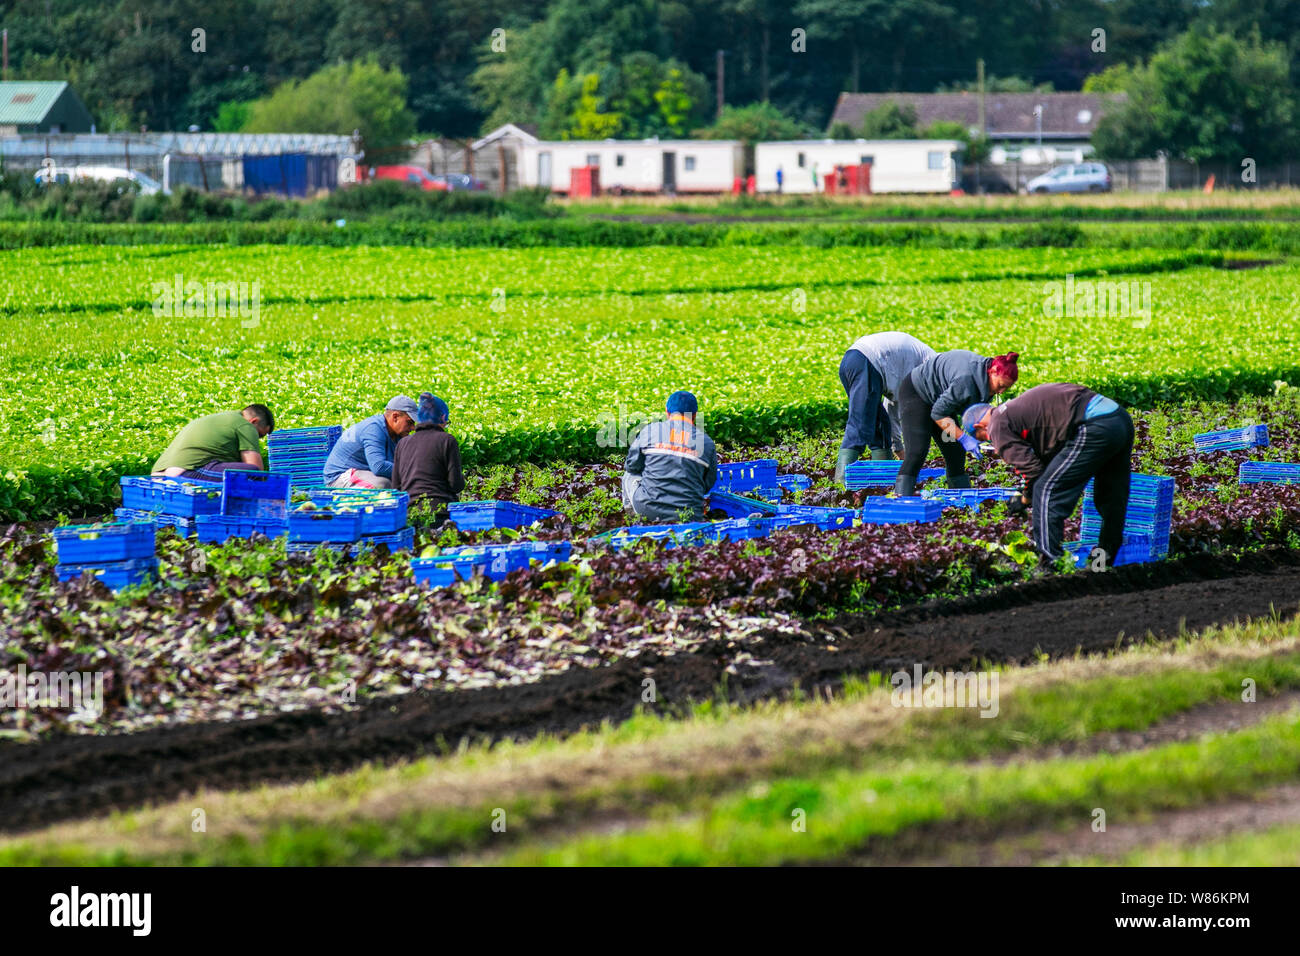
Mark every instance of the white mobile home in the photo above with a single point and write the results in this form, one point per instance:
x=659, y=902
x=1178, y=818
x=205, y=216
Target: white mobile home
x=897, y=165
x=642, y=165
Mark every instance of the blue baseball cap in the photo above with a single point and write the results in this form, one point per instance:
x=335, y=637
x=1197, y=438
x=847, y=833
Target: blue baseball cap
x=973, y=416
x=432, y=409
x=682, y=403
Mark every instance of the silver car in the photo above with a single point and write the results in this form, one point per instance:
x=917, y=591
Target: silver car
x=1077, y=178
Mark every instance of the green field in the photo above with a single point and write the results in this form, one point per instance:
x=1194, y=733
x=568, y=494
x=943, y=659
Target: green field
x=534, y=348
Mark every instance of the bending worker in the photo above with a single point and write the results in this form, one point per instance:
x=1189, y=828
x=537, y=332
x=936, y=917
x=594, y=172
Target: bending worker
x=671, y=466
x=363, y=455
x=225, y=441
x=1056, y=437
x=871, y=372
x=931, y=400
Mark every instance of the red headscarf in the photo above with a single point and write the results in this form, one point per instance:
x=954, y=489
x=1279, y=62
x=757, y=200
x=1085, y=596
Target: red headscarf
x=1006, y=365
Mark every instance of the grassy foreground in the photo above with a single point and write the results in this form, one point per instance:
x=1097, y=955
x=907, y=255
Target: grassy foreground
x=854, y=777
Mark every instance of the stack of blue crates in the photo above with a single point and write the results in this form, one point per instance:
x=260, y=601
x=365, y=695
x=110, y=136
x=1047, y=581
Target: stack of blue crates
x=1150, y=514
x=1230, y=439
x=300, y=453
x=881, y=474
x=251, y=502
x=1268, y=472
x=1136, y=549
x=168, y=501
x=383, y=515
x=119, y=554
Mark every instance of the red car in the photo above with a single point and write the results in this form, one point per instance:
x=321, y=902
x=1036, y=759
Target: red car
x=415, y=175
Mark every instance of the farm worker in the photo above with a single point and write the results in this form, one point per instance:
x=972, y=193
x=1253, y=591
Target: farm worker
x=671, y=466
x=363, y=456
x=1056, y=437
x=871, y=372
x=780, y=178
x=933, y=397
x=215, y=443
x=426, y=465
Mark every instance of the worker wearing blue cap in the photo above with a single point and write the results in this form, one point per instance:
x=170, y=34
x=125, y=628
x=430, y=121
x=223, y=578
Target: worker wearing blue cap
x=671, y=466
x=427, y=463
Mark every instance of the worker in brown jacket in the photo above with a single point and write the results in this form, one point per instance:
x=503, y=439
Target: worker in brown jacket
x=426, y=464
x=1057, y=437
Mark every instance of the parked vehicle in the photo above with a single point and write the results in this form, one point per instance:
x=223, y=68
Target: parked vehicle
x=988, y=182
x=49, y=175
x=459, y=181
x=415, y=175
x=1075, y=178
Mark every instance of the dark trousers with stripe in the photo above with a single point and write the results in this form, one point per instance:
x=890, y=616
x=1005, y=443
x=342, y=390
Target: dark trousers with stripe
x=868, y=425
x=1102, y=449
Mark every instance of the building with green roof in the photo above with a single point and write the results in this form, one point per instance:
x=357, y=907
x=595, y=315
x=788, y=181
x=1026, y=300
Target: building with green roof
x=41, y=107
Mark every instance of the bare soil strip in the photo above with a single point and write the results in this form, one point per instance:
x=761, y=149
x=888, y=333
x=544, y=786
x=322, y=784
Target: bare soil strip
x=65, y=778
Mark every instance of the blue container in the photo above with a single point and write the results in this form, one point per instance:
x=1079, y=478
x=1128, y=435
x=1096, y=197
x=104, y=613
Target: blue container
x=100, y=543
x=1268, y=472
x=324, y=525
x=1136, y=549
x=882, y=510
x=172, y=496
x=881, y=474
x=739, y=506
x=184, y=526
x=733, y=529
x=382, y=512
x=766, y=526
x=218, y=529
x=255, y=494
x=827, y=519
x=672, y=535
x=746, y=475
x=546, y=552
x=1149, y=513
x=1231, y=439
x=482, y=515
x=460, y=564
x=401, y=540
x=970, y=497
x=794, y=482
x=114, y=574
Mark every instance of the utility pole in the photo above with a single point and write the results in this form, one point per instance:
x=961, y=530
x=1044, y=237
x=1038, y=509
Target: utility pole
x=722, y=73
x=979, y=74
x=6, y=55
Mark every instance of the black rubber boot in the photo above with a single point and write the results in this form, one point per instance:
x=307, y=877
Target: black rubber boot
x=905, y=486
x=881, y=454
x=959, y=481
x=847, y=457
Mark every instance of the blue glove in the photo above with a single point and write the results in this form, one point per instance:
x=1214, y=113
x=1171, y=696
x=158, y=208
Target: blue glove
x=971, y=444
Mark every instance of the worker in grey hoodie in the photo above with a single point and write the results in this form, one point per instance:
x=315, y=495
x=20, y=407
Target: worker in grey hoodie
x=871, y=372
x=931, y=402
x=671, y=466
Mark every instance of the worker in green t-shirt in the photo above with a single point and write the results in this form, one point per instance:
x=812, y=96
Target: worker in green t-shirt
x=215, y=443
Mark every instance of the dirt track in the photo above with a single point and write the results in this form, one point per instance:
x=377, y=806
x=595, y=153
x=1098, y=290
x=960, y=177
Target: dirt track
x=44, y=782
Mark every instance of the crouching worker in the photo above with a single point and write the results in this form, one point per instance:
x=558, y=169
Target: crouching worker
x=671, y=466
x=1056, y=437
x=363, y=456
x=426, y=464
x=225, y=441
x=871, y=372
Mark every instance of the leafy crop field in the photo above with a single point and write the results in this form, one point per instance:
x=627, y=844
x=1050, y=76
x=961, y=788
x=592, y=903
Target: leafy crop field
x=536, y=348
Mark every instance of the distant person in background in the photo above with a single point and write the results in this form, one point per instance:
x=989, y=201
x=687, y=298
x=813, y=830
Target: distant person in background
x=671, y=466
x=871, y=372
x=207, y=446
x=426, y=464
x=931, y=401
x=1057, y=437
x=780, y=179
x=363, y=456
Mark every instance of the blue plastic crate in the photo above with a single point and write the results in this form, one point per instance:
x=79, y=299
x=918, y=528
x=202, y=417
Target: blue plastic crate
x=881, y=474
x=218, y=529
x=827, y=519
x=1268, y=472
x=672, y=535
x=481, y=515
x=255, y=494
x=184, y=526
x=1136, y=549
x=401, y=540
x=970, y=497
x=733, y=529
x=883, y=510
x=739, y=506
x=494, y=562
x=172, y=496
x=382, y=511
x=1231, y=439
x=100, y=543
x=772, y=523
x=794, y=482
x=772, y=493
x=547, y=552
x=324, y=524
x=746, y=475
x=114, y=574
x=305, y=437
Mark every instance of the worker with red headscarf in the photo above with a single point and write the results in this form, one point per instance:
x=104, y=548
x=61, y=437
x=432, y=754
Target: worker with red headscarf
x=931, y=401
